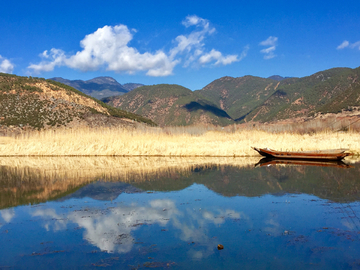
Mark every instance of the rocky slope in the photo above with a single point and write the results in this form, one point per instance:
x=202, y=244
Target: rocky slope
x=38, y=103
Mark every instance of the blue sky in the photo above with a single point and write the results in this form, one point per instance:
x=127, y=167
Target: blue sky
x=190, y=43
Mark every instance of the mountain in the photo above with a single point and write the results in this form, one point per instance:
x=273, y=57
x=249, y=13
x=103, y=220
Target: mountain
x=239, y=96
x=328, y=91
x=244, y=99
x=220, y=103
x=131, y=86
x=38, y=103
x=278, y=78
x=170, y=105
x=99, y=87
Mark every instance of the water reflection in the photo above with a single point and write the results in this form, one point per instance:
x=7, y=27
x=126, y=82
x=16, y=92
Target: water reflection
x=7, y=215
x=302, y=162
x=111, y=229
x=26, y=180
x=174, y=212
x=36, y=180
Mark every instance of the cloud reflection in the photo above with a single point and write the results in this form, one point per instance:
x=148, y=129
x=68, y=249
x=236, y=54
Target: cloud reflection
x=7, y=215
x=111, y=229
x=274, y=226
x=50, y=215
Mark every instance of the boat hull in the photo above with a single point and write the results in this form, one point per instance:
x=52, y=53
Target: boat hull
x=337, y=154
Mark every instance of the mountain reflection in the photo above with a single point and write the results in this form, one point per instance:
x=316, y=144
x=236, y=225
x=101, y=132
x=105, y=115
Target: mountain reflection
x=112, y=230
x=35, y=180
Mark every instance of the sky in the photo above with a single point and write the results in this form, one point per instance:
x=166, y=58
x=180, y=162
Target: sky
x=190, y=43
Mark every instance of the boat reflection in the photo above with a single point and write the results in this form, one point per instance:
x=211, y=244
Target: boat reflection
x=302, y=162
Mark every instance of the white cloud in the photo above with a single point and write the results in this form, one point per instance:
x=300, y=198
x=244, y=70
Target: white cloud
x=271, y=41
x=343, y=45
x=192, y=44
x=347, y=44
x=355, y=45
x=212, y=55
x=195, y=20
x=5, y=65
x=108, y=48
x=217, y=56
x=56, y=58
x=269, y=52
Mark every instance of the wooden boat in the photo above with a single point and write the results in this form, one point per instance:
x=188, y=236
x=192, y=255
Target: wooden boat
x=336, y=154
x=302, y=162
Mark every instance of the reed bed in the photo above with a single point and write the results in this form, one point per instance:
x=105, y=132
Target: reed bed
x=170, y=142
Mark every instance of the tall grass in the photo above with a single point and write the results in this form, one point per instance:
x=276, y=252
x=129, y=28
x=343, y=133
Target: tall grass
x=199, y=141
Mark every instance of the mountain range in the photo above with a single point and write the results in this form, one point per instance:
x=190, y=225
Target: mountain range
x=40, y=103
x=230, y=100
x=169, y=104
x=99, y=87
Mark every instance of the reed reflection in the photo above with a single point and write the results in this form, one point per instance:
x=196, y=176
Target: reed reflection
x=36, y=180
x=25, y=180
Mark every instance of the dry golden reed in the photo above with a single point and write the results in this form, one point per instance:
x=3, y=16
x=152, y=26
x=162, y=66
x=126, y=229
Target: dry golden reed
x=169, y=142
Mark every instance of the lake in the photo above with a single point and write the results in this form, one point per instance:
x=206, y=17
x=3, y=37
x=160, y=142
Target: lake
x=178, y=213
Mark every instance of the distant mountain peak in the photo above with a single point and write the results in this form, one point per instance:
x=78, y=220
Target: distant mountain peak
x=276, y=77
x=226, y=78
x=99, y=87
x=132, y=86
x=104, y=79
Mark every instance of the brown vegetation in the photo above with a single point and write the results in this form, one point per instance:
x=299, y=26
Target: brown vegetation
x=190, y=141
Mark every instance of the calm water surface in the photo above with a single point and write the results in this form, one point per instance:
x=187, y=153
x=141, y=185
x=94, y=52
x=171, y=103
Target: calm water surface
x=269, y=217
